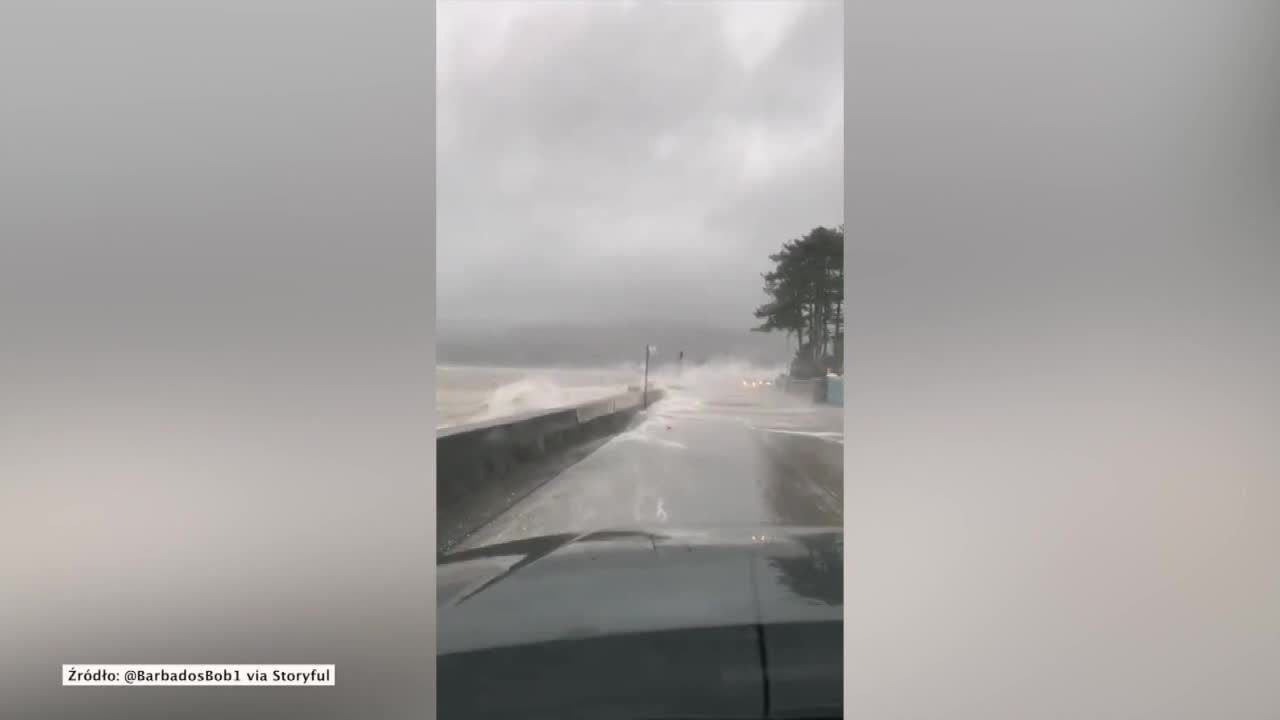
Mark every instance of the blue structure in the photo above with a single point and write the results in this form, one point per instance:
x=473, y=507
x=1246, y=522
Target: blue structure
x=835, y=390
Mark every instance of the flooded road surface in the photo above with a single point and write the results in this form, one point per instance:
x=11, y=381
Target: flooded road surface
x=707, y=457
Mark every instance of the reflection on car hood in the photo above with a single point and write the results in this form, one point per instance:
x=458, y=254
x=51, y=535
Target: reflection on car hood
x=612, y=582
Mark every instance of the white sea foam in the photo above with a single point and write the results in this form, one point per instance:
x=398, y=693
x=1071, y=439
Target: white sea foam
x=540, y=393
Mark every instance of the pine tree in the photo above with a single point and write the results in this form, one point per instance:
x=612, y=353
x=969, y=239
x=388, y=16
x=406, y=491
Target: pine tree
x=806, y=291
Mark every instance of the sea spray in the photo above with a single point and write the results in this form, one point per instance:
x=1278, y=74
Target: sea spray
x=540, y=393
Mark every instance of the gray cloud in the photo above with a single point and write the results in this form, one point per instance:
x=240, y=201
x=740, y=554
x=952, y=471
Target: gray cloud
x=630, y=162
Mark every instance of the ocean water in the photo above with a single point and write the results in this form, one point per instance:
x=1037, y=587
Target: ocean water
x=467, y=394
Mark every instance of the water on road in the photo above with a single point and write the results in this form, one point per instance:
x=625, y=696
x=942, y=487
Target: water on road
x=712, y=453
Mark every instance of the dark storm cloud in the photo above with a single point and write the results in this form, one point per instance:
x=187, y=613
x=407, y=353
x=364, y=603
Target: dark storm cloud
x=615, y=162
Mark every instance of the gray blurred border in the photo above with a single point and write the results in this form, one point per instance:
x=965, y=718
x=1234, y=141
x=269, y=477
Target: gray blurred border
x=1061, y=477
x=216, y=352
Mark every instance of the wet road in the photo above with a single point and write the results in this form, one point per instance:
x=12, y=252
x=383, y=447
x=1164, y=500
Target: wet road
x=711, y=457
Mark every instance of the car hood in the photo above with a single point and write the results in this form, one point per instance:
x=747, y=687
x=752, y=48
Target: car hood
x=614, y=582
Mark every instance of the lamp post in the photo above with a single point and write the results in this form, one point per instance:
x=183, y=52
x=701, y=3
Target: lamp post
x=644, y=394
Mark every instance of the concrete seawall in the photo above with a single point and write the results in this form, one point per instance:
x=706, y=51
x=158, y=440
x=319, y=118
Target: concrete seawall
x=482, y=469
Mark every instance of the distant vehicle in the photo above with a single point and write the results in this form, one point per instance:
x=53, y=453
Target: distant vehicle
x=743, y=623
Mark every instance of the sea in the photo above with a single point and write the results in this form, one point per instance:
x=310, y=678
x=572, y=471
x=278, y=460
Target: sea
x=466, y=394
x=470, y=393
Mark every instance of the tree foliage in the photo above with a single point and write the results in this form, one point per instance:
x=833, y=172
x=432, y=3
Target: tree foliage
x=806, y=299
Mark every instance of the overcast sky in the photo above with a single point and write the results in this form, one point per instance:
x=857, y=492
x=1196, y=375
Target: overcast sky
x=615, y=162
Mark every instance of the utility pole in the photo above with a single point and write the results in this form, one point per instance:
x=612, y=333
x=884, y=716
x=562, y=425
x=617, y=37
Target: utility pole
x=644, y=394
